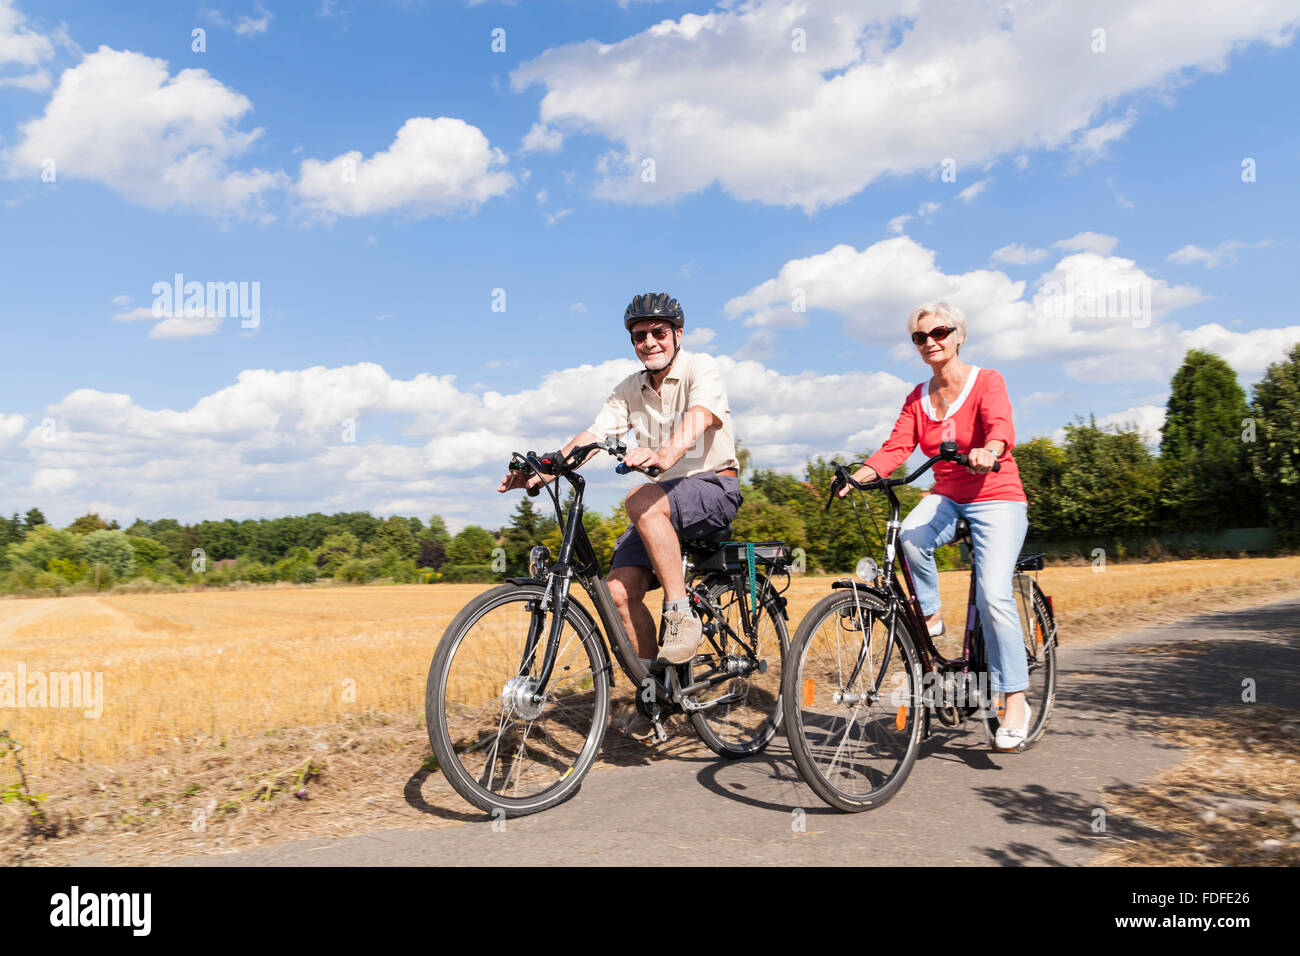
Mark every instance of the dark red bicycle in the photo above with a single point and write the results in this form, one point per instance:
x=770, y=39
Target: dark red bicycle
x=863, y=678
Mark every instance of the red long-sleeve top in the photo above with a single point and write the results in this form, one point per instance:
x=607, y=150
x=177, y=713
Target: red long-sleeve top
x=981, y=414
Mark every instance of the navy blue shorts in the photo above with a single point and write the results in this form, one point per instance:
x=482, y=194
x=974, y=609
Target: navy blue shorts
x=699, y=505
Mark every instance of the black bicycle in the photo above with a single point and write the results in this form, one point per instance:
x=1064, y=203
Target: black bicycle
x=518, y=695
x=864, y=676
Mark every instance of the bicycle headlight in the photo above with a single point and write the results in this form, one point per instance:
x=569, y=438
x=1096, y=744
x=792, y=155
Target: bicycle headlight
x=867, y=570
x=539, y=559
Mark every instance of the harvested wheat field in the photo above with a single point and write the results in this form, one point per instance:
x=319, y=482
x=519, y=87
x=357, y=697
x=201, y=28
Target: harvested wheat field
x=221, y=707
x=218, y=664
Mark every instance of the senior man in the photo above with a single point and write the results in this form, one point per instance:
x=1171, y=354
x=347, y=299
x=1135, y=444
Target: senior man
x=677, y=409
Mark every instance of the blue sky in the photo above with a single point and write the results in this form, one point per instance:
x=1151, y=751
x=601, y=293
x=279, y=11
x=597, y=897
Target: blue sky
x=794, y=152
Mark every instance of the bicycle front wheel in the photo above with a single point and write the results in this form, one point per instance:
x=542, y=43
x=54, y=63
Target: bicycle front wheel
x=744, y=713
x=852, y=700
x=500, y=749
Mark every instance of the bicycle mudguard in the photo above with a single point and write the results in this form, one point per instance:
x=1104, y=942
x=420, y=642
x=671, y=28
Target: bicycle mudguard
x=863, y=588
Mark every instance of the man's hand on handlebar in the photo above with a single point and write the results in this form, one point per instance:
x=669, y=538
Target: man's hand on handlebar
x=519, y=479
x=646, y=459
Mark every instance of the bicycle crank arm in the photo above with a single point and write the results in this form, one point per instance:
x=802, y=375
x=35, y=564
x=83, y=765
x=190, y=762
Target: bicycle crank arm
x=695, y=706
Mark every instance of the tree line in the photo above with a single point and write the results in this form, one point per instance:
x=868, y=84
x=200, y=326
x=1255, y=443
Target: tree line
x=1223, y=462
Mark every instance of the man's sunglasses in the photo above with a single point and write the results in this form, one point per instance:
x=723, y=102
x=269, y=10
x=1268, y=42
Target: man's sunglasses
x=661, y=333
x=939, y=333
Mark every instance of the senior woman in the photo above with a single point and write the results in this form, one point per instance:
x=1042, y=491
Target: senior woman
x=969, y=405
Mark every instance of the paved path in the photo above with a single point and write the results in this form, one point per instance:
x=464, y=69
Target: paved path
x=963, y=804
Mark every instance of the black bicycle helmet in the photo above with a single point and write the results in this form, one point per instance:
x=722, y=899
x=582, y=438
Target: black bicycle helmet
x=654, y=305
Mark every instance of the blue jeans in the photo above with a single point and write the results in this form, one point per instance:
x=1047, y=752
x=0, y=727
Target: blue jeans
x=997, y=530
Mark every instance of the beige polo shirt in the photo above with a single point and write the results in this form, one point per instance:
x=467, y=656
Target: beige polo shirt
x=654, y=417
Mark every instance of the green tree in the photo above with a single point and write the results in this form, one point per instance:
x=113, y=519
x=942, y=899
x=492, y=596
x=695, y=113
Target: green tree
x=109, y=549
x=148, y=552
x=394, y=536
x=43, y=544
x=526, y=529
x=471, y=545
x=1108, y=488
x=437, y=530
x=88, y=523
x=1042, y=463
x=1205, y=479
x=335, y=551
x=34, y=518
x=1274, y=452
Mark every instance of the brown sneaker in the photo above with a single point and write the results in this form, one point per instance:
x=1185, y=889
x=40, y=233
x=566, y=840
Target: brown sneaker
x=682, y=636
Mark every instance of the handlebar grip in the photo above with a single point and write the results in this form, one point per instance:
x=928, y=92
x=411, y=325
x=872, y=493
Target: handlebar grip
x=965, y=460
x=621, y=469
x=533, y=490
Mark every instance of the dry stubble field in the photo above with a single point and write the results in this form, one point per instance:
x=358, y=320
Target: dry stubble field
x=205, y=669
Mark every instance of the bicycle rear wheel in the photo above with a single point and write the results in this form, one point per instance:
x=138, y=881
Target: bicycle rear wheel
x=854, y=736
x=500, y=750
x=1040, y=648
x=745, y=712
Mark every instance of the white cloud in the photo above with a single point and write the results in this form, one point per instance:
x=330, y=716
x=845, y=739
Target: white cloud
x=541, y=197
x=11, y=426
x=22, y=47
x=1249, y=353
x=1093, y=143
x=557, y=216
x=185, y=327
x=119, y=118
x=1041, y=398
x=1224, y=254
x=1103, y=315
x=1018, y=255
x=37, y=81
x=252, y=26
x=974, y=189
x=1021, y=161
x=1146, y=419
x=271, y=442
x=1094, y=242
x=699, y=337
x=897, y=224
x=433, y=167
x=721, y=98
x=541, y=139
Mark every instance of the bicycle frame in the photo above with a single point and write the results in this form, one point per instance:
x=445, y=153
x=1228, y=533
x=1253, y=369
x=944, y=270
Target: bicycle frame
x=578, y=559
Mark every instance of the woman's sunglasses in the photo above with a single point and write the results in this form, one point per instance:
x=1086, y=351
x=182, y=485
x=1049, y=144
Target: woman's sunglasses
x=938, y=333
x=660, y=334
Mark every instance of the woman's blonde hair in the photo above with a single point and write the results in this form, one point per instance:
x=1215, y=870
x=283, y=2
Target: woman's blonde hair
x=948, y=313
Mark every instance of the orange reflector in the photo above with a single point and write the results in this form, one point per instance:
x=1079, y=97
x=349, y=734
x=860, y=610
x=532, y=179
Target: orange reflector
x=1002, y=707
x=1038, y=631
x=900, y=719
x=807, y=692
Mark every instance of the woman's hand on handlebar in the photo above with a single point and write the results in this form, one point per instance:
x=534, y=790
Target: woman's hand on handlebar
x=981, y=461
x=862, y=475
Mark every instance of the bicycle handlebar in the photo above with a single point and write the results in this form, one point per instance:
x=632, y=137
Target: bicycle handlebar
x=558, y=464
x=947, y=452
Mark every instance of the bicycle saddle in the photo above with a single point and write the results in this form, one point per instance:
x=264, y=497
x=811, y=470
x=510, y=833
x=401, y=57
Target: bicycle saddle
x=963, y=530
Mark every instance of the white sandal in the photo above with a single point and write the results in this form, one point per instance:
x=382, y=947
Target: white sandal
x=1007, y=740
